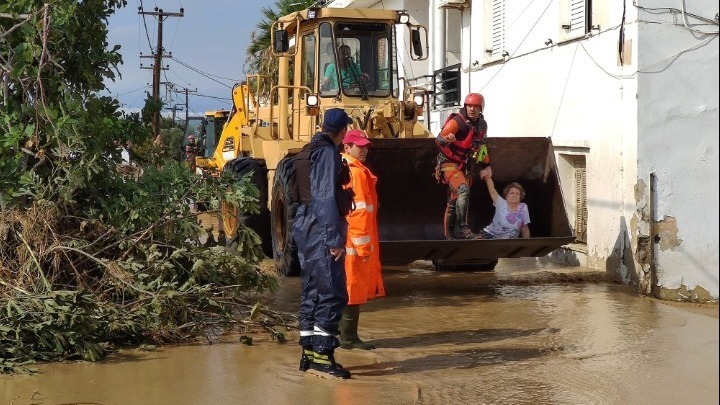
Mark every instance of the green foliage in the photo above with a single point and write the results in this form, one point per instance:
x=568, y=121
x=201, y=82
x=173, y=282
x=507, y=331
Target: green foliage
x=95, y=252
x=64, y=325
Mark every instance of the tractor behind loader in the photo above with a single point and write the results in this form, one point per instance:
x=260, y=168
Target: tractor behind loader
x=267, y=127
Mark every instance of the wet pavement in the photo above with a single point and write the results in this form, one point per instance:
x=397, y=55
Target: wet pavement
x=529, y=333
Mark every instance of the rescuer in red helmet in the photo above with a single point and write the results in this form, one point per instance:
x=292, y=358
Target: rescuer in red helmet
x=462, y=148
x=191, y=151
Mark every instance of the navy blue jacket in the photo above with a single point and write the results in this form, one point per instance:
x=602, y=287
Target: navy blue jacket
x=320, y=218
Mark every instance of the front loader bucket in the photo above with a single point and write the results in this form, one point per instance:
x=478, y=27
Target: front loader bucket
x=412, y=203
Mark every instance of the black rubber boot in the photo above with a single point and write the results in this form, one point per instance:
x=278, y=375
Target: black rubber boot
x=349, y=330
x=306, y=358
x=325, y=366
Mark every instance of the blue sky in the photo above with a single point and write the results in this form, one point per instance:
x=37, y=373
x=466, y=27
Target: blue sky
x=211, y=38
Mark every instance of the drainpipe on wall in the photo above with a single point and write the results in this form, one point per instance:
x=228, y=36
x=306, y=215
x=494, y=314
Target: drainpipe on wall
x=654, y=239
x=439, y=51
x=469, y=49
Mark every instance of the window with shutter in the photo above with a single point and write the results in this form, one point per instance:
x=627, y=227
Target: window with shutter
x=495, y=31
x=575, y=18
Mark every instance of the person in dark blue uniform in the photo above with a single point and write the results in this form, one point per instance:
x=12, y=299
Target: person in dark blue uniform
x=320, y=230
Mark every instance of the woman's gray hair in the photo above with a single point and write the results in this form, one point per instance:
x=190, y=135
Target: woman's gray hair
x=516, y=185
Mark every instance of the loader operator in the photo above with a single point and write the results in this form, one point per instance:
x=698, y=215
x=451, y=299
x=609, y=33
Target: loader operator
x=350, y=74
x=320, y=231
x=462, y=147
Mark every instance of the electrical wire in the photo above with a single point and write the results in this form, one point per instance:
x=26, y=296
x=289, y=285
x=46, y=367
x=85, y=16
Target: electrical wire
x=181, y=79
x=172, y=41
x=205, y=74
x=128, y=92
x=642, y=69
x=521, y=13
x=132, y=104
x=511, y=56
x=212, y=97
x=562, y=96
x=683, y=15
x=147, y=33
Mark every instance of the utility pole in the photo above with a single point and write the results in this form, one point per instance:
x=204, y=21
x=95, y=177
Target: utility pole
x=157, y=65
x=177, y=107
x=187, y=106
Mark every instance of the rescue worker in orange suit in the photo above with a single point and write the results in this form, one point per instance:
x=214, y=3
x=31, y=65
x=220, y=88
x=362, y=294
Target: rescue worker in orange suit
x=320, y=231
x=462, y=146
x=191, y=151
x=362, y=249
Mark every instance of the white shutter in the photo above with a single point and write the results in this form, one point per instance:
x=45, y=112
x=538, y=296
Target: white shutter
x=498, y=27
x=577, y=16
x=580, y=204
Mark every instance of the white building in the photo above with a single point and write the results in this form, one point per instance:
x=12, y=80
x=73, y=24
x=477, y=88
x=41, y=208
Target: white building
x=628, y=93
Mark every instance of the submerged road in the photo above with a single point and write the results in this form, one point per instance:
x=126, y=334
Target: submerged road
x=528, y=333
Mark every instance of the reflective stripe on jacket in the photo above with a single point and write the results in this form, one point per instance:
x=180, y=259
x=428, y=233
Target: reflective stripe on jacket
x=362, y=260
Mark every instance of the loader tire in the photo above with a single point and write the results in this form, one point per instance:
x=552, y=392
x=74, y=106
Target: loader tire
x=232, y=219
x=481, y=266
x=282, y=213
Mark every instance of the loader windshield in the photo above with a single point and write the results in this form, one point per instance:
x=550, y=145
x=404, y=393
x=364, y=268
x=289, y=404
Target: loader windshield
x=355, y=59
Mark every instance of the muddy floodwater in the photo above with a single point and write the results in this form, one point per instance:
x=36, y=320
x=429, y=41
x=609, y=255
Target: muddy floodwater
x=529, y=333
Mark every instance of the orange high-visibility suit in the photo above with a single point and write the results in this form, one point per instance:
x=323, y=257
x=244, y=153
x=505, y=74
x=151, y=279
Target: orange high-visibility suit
x=362, y=259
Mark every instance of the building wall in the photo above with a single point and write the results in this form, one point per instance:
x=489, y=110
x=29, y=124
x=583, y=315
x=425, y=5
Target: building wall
x=578, y=93
x=625, y=116
x=573, y=92
x=638, y=98
x=677, y=101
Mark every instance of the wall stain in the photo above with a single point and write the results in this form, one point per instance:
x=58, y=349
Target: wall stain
x=697, y=294
x=646, y=233
x=667, y=233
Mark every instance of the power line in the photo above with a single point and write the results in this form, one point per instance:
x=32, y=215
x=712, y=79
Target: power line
x=147, y=33
x=131, y=91
x=213, y=97
x=205, y=74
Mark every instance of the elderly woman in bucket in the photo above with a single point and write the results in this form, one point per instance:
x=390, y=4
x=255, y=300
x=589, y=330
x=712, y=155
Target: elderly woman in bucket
x=511, y=215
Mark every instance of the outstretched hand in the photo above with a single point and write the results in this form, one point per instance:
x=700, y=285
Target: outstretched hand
x=486, y=173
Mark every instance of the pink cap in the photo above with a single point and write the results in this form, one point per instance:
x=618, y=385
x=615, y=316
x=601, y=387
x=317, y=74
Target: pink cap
x=357, y=137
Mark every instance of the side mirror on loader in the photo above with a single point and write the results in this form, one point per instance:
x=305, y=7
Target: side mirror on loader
x=281, y=42
x=416, y=42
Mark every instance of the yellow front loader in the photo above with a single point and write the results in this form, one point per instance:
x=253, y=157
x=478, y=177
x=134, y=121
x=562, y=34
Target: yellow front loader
x=268, y=125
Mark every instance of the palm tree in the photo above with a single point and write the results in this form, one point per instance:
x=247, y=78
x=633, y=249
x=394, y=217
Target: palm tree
x=259, y=53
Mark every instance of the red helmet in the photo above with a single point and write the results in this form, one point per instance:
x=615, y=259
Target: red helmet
x=475, y=99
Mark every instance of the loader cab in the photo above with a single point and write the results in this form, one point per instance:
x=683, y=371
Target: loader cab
x=354, y=59
x=206, y=130
x=346, y=52
x=193, y=127
x=212, y=129
x=342, y=62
